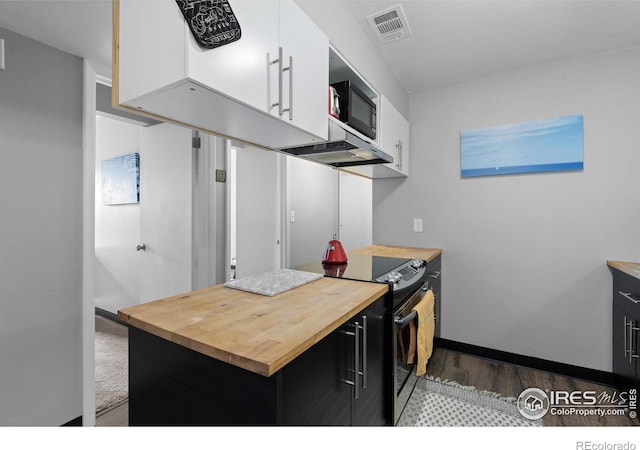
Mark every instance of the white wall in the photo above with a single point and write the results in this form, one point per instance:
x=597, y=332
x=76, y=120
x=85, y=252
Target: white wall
x=255, y=212
x=524, y=256
x=312, y=191
x=117, y=226
x=355, y=211
x=40, y=234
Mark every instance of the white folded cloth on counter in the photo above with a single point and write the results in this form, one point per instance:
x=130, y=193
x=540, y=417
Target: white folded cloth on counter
x=274, y=282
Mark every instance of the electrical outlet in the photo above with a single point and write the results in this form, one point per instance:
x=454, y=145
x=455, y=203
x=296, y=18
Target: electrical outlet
x=292, y=216
x=417, y=225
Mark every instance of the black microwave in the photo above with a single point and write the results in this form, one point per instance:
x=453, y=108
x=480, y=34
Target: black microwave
x=356, y=109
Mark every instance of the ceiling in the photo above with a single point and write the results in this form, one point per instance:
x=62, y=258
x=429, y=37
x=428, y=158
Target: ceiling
x=452, y=41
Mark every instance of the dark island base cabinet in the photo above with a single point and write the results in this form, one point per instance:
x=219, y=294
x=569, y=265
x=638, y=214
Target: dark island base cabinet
x=626, y=330
x=173, y=385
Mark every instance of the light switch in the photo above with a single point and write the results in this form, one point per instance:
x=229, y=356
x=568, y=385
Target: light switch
x=292, y=216
x=1, y=54
x=417, y=225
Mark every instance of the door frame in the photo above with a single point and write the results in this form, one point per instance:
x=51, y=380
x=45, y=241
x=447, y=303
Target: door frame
x=208, y=227
x=282, y=259
x=88, y=243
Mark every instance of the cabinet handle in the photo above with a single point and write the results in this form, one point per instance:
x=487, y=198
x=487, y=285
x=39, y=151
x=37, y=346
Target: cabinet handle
x=356, y=360
x=626, y=351
x=290, y=70
x=399, y=147
x=279, y=63
x=281, y=70
x=629, y=296
x=435, y=274
x=628, y=348
x=632, y=351
x=364, y=352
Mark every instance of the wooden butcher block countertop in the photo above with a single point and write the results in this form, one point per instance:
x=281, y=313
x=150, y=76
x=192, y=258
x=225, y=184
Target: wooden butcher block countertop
x=426, y=254
x=630, y=268
x=256, y=332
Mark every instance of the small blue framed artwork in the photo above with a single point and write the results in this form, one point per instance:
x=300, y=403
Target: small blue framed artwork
x=547, y=145
x=121, y=179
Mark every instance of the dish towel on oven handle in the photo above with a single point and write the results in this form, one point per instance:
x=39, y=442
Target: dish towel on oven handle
x=421, y=339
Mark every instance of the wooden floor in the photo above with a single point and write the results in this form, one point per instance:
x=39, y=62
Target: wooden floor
x=510, y=380
x=506, y=379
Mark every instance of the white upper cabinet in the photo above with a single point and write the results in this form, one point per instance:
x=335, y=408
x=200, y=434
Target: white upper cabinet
x=240, y=90
x=240, y=69
x=393, y=137
x=306, y=49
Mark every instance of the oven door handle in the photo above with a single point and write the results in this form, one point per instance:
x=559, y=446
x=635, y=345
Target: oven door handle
x=402, y=322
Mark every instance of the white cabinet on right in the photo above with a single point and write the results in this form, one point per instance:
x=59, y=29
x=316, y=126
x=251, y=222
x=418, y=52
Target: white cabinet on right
x=393, y=138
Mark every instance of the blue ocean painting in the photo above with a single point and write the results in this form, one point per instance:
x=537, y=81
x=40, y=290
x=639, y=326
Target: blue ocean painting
x=547, y=145
x=121, y=179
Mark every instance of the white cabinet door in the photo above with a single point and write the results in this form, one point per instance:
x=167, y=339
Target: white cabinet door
x=150, y=48
x=394, y=136
x=240, y=70
x=228, y=91
x=305, y=85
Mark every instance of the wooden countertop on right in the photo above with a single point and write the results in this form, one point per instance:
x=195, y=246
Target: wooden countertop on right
x=426, y=254
x=628, y=267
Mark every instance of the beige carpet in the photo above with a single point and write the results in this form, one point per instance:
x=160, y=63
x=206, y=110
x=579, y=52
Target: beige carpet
x=112, y=368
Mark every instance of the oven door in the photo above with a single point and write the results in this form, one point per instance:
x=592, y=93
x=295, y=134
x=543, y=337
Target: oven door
x=405, y=373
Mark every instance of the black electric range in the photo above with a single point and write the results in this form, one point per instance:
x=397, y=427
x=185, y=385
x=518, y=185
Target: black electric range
x=404, y=275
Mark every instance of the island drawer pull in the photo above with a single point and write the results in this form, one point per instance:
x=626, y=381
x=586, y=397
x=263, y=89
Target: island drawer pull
x=363, y=373
x=629, y=296
x=356, y=360
x=435, y=274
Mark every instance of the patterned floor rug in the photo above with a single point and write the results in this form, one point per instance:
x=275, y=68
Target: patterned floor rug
x=112, y=364
x=449, y=404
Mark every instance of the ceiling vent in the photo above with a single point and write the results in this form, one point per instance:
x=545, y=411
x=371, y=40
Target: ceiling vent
x=390, y=24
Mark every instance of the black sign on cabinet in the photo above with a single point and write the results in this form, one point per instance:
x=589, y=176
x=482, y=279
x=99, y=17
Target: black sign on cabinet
x=212, y=22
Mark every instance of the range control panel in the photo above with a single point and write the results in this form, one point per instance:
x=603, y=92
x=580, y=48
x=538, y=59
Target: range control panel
x=405, y=274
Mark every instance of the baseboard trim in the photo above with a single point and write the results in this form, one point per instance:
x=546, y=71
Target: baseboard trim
x=109, y=315
x=595, y=376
